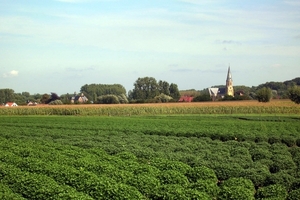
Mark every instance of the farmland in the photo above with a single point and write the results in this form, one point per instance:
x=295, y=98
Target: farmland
x=156, y=151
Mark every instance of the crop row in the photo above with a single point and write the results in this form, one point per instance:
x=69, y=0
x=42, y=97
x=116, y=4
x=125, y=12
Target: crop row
x=148, y=110
x=117, y=157
x=50, y=171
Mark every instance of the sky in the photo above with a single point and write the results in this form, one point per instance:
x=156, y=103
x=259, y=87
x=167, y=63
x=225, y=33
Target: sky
x=61, y=45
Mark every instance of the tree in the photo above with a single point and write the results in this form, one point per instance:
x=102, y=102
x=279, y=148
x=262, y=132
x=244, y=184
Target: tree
x=92, y=91
x=294, y=94
x=108, y=99
x=174, y=92
x=45, y=98
x=145, y=88
x=163, y=87
x=264, y=94
x=7, y=95
x=202, y=97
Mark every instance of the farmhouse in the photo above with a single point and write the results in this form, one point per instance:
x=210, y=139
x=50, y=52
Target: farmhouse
x=79, y=98
x=218, y=93
x=10, y=104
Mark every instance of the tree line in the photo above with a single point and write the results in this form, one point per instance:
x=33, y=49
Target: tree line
x=149, y=90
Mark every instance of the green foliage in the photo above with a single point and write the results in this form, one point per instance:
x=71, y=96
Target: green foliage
x=243, y=182
x=281, y=178
x=6, y=95
x=162, y=98
x=209, y=187
x=146, y=157
x=236, y=193
x=45, y=98
x=272, y=191
x=294, y=195
x=257, y=173
x=147, y=88
x=294, y=94
x=173, y=177
x=202, y=97
x=264, y=94
x=174, y=91
x=108, y=99
x=92, y=91
x=56, y=102
x=201, y=173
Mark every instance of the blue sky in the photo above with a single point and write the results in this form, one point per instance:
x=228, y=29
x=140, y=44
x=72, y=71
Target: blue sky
x=60, y=45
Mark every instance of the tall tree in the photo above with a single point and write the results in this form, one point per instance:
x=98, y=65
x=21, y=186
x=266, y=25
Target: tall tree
x=6, y=95
x=294, y=94
x=92, y=91
x=164, y=87
x=145, y=88
x=174, y=92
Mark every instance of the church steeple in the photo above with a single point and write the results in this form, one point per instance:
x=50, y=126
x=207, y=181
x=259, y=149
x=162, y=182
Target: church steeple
x=229, y=77
x=229, y=84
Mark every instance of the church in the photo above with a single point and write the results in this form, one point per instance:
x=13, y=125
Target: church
x=219, y=93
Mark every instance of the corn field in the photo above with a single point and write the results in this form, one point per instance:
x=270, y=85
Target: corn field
x=242, y=107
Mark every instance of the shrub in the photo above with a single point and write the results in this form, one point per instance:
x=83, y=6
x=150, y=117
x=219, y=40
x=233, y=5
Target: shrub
x=201, y=173
x=272, y=191
x=294, y=94
x=274, y=139
x=168, y=191
x=260, y=153
x=289, y=141
x=281, y=178
x=163, y=98
x=195, y=195
x=264, y=94
x=203, y=97
x=294, y=195
x=257, y=173
x=56, y=102
x=145, y=183
x=282, y=162
x=173, y=177
x=298, y=142
x=108, y=99
x=208, y=186
x=236, y=192
x=243, y=182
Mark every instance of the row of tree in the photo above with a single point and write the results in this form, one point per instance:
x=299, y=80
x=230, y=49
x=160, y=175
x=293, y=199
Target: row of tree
x=147, y=89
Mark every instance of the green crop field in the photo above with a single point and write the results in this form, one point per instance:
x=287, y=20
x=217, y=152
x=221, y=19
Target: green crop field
x=215, y=156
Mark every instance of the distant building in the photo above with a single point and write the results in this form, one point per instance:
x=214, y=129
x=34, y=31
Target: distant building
x=79, y=98
x=218, y=93
x=11, y=104
x=186, y=99
x=30, y=103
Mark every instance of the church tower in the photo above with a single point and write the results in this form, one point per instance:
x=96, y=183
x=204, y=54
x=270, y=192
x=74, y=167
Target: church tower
x=229, y=85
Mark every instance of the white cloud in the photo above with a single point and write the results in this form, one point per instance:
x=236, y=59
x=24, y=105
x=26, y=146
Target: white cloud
x=12, y=73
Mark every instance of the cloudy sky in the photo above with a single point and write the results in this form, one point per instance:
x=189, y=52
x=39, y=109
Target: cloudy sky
x=60, y=45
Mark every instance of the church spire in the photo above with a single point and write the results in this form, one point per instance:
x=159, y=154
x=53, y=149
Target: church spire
x=229, y=77
x=229, y=84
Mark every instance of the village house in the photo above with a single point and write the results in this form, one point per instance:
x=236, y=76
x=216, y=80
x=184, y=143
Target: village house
x=79, y=98
x=11, y=104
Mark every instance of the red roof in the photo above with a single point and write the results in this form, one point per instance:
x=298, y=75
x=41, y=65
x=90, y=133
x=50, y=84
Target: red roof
x=186, y=99
x=10, y=104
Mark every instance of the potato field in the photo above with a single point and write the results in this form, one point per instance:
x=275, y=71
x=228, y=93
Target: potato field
x=165, y=151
